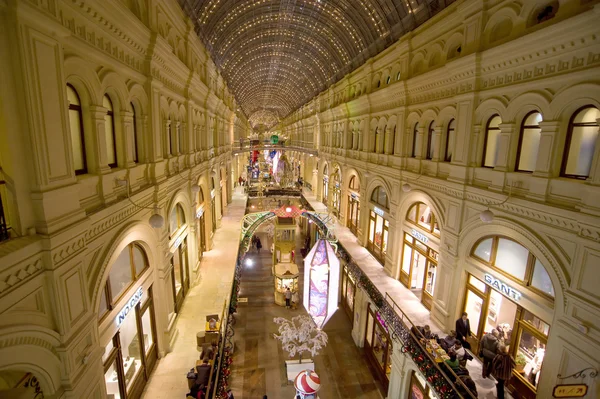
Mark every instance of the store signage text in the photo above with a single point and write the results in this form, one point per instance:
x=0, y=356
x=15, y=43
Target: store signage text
x=502, y=287
x=354, y=195
x=378, y=211
x=419, y=236
x=570, y=391
x=326, y=179
x=130, y=305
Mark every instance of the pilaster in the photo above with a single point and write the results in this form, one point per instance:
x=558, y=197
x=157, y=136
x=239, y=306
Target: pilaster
x=505, y=158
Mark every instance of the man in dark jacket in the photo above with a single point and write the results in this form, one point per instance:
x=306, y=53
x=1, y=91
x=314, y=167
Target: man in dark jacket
x=463, y=330
x=502, y=368
x=489, y=350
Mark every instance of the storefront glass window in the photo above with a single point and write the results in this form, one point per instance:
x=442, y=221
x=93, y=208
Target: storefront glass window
x=147, y=328
x=370, y=322
x=380, y=346
x=431, y=275
x=412, y=214
x=406, y=258
x=536, y=322
x=112, y=382
x=475, y=282
x=103, y=305
x=484, y=250
x=541, y=279
x=378, y=231
x=350, y=295
x=512, y=258
x=139, y=260
x=418, y=269
x=177, y=271
x=372, y=227
x=120, y=274
x=385, y=237
x=173, y=221
x=473, y=306
x=530, y=352
x=130, y=349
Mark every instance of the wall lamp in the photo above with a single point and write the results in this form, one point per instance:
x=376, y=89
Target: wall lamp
x=487, y=216
x=156, y=220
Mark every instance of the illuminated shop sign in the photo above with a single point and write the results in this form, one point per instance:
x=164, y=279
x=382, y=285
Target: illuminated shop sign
x=378, y=211
x=130, y=305
x=419, y=236
x=502, y=287
x=326, y=179
x=354, y=195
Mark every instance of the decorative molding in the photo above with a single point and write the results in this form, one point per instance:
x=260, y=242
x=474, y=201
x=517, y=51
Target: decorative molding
x=66, y=251
x=27, y=340
x=21, y=273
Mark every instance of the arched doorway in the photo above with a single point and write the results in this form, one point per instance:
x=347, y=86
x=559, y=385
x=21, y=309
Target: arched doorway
x=16, y=384
x=200, y=223
x=353, y=216
x=503, y=278
x=420, y=252
x=377, y=239
x=128, y=329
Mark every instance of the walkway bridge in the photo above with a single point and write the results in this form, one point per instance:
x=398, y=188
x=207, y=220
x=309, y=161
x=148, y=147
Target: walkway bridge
x=260, y=145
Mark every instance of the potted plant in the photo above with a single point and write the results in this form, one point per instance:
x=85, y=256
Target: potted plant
x=299, y=335
x=520, y=362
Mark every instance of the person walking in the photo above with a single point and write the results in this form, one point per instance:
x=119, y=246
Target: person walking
x=502, y=368
x=288, y=297
x=463, y=330
x=258, y=244
x=489, y=350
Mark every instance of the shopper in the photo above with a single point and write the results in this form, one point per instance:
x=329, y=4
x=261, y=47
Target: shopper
x=502, y=368
x=448, y=342
x=463, y=330
x=489, y=350
x=288, y=297
x=258, y=245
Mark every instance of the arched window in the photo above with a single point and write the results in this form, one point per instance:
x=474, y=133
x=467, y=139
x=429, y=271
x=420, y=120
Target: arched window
x=200, y=196
x=581, y=143
x=76, y=128
x=179, y=138
x=422, y=215
x=354, y=184
x=127, y=268
x=176, y=219
x=450, y=139
x=136, y=141
x=490, y=148
x=430, y=149
x=109, y=132
x=398, y=76
x=415, y=135
x=379, y=197
x=515, y=261
x=387, y=81
x=529, y=142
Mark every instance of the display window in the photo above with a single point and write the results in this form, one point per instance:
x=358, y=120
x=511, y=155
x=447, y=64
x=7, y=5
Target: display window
x=124, y=272
x=421, y=215
x=353, y=217
x=378, y=236
x=180, y=274
x=524, y=333
x=130, y=355
x=348, y=292
x=419, y=388
x=378, y=345
x=419, y=269
x=201, y=233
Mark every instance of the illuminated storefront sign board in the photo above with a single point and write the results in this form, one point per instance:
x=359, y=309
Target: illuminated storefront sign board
x=419, y=236
x=501, y=286
x=378, y=211
x=354, y=195
x=129, y=306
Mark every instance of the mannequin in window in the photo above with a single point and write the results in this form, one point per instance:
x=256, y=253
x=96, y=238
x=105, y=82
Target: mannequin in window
x=532, y=369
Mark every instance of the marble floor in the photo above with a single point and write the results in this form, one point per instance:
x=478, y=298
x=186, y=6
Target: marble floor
x=207, y=296
x=258, y=366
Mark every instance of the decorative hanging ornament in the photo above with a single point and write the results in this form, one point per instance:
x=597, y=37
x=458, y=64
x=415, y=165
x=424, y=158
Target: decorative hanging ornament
x=307, y=382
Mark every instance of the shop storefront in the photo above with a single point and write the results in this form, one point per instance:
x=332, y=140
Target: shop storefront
x=353, y=217
x=495, y=299
x=200, y=225
x=348, y=293
x=418, y=388
x=379, y=225
x=127, y=325
x=325, y=191
x=213, y=211
x=336, y=194
x=420, y=253
x=378, y=346
x=180, y=278
x=223, y=185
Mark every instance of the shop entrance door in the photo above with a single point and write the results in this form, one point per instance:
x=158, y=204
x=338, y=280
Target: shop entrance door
x=419, y=269
x=202, y=235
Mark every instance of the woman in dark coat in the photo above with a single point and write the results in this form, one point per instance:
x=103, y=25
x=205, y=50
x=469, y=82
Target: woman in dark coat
x=502, y=368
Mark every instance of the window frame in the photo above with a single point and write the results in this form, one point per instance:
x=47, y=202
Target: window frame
x=430, y=132
x=568, y=141
x=434, y=219
x=522, y=136
x=111, y=113
x=78, y=108
x=529, y=268
x=414, y=140
x=107, y=291
x=486, y=139
x=135, y=135
x=449, y=129
x=376, y=202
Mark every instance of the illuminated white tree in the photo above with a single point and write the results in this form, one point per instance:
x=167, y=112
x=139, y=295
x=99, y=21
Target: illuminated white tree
x=300, y=335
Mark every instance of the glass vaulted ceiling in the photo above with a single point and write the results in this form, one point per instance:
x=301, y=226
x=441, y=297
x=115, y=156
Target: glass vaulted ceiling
x=278, y=54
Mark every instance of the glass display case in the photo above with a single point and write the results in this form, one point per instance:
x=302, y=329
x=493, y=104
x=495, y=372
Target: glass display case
x=286, y=276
